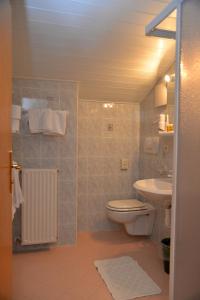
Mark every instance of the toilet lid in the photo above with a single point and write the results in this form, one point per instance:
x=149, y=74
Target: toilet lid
x=129, y=204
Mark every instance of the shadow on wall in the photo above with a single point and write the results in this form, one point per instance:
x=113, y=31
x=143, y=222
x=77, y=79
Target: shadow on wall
x=19, y=12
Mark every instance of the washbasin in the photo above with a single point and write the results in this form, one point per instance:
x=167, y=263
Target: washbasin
x=155, y=188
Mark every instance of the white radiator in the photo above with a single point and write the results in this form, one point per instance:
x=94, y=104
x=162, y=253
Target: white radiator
x=39, y=210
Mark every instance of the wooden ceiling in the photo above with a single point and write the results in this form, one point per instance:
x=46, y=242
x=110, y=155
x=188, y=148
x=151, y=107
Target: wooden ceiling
x=100, y=43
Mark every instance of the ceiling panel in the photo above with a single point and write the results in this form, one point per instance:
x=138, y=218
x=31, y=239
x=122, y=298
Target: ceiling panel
x=101, y=44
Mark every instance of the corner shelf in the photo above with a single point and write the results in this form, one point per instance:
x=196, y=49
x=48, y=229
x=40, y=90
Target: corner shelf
x=165, y=133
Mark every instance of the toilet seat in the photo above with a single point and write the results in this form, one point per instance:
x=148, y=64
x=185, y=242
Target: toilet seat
x=126, y=205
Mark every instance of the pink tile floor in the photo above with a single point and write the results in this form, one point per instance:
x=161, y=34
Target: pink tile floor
x=68, y=273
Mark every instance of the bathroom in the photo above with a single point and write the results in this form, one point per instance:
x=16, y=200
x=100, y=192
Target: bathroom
x=109, y=81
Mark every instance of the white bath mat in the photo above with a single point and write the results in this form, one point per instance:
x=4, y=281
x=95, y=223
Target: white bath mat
x=125, y=279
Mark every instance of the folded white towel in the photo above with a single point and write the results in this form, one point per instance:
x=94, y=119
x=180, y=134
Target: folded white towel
x=17, y=197
x=35, y=116
x=48, y=121
x=54, y=122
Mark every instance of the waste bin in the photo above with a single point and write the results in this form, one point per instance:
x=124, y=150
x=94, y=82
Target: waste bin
x=166, y=254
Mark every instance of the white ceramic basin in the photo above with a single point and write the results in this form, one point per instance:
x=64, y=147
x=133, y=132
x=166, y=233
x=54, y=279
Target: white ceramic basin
x=155, y=188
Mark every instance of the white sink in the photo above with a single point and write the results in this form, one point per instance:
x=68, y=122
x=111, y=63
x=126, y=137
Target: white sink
x=155, y=188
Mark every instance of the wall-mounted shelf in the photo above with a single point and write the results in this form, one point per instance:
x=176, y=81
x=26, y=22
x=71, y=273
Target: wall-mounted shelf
x=166, y=133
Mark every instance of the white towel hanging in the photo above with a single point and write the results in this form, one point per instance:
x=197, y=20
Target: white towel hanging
x=17, y=197
x=47, y=121
x=35, y=117
x=54, y=122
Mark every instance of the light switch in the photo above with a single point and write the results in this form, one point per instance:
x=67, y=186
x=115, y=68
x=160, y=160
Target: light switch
x=110, y=127
x=124, y=163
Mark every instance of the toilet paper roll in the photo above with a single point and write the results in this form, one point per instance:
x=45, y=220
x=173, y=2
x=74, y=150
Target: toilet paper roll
x=16, y=112
x=15, y=125
x=162, y=126
x=168, y=217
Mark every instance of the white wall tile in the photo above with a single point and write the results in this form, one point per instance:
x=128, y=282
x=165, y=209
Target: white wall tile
x=100, y=150
x=39, y=151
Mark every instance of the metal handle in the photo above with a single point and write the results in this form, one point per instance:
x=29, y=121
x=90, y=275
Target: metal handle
x=16, y=166
x=10, y=171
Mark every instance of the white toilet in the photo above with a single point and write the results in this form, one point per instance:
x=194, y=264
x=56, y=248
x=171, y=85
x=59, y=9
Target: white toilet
x=137, y=216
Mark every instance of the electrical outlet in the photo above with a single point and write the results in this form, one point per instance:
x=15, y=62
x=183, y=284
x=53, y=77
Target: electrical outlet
x=124, y=163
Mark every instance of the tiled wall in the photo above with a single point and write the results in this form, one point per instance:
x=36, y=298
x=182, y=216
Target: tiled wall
x=160, y=164
x=100, y=178
x=100, y=150
x=40, y=151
